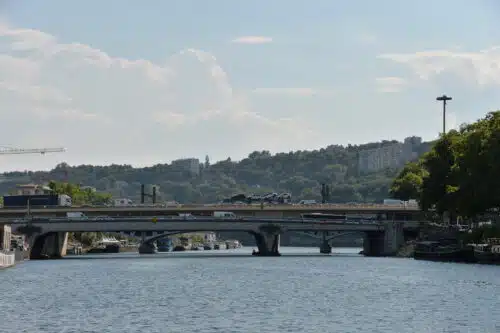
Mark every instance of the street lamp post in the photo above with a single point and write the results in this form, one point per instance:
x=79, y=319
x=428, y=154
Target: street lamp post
x=444, y=99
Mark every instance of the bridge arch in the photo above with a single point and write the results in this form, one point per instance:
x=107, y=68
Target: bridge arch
x=345, y=233
x=330, y=236
x=48, y=245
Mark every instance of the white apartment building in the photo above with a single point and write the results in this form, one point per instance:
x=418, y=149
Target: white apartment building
x=190, y=164
x=32, y=189
x=394, y=155
x=88, y=188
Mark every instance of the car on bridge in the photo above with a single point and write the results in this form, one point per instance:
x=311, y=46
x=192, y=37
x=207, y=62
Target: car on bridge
x=102, y=218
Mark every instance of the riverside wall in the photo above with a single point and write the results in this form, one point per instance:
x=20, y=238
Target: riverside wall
x=7, y=259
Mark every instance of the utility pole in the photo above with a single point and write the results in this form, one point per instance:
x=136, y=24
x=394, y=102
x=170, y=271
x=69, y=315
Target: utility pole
x=444, y=99
x=143, y=194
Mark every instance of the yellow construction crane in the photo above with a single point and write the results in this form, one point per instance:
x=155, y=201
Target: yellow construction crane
x=15, y=151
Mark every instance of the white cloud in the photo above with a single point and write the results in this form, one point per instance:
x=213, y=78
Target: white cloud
x=304, y=92
x=108, y=109
x=252, y=40
x=483, y=66
x=286, y=91
x=390, y=84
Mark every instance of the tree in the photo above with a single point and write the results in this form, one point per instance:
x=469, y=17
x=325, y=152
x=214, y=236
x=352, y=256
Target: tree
x=408, y=184
x=459, y=175
x=439, y=184
x=297, y=172
x=79, y=196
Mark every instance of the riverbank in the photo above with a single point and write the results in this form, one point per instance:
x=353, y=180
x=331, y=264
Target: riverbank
x=7, y=259
x=462, y=254
x=91, y=249
x=407, y=250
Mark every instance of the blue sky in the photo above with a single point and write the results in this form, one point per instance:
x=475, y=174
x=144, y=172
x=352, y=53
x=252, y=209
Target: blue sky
x=148, y=83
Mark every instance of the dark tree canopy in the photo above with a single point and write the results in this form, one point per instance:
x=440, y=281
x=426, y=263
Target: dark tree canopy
x=460, y=175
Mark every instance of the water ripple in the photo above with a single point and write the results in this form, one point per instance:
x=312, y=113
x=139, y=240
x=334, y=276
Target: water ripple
x=245, y=294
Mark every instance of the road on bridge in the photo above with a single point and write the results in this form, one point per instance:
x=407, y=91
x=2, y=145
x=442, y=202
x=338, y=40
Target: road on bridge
x=198, y=224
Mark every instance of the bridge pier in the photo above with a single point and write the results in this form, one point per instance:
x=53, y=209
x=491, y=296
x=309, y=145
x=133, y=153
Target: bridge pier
x=51, y=245
x=148, y=248
x=325, y=247
x=386, y=242
x=268, y=241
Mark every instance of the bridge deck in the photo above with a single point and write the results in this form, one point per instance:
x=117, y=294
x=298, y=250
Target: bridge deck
x=193, y=226
x=203, y=224
x=211, y=208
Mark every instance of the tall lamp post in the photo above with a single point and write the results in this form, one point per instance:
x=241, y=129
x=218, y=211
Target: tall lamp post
x=444, y=99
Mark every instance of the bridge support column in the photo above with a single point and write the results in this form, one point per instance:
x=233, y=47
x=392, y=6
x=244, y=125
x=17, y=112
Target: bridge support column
x=268, y=241
x=373, y=244
x=384, y=243
x=325, y=247
x=148, y=248
x=52, y=245
x=393, y=237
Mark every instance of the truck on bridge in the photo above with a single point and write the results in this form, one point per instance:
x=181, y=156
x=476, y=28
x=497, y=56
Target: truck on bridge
x=37, y=200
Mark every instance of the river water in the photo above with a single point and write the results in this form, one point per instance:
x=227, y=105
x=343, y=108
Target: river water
x=230, y=291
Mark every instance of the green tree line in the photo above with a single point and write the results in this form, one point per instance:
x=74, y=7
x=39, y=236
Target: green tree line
x=81, y=196
x=459, y=175
x=300, y=173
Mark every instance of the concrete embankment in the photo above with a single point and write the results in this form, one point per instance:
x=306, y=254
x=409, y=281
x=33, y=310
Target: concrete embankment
x=7, y=259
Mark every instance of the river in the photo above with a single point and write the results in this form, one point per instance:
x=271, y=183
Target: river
x=230, y=291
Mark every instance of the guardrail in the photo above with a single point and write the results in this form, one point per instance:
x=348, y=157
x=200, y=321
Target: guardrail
x=198, y=219
x=228, y=207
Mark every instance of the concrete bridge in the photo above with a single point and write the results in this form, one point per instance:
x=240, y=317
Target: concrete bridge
x=275, y=211
x=48, y=237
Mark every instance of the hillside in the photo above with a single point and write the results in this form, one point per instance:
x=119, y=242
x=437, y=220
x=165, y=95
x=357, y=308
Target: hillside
x=300, y=173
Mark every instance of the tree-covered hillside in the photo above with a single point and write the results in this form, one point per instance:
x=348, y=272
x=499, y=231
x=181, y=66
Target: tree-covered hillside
x=300, y=173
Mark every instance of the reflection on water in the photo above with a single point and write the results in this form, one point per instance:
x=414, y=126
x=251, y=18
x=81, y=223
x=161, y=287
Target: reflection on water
x=232, y=291
x=241, y=252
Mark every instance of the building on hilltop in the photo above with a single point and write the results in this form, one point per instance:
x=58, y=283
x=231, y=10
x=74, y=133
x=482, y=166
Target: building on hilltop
x=88, y=188
x=393, y=155
x=32, y=189
x=189, y=164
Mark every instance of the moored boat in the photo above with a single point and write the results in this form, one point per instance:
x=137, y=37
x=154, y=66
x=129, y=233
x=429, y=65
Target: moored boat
x=110, y=248
x=179, y=248
x=436, y=251
x=489, y=252
x=165, y=245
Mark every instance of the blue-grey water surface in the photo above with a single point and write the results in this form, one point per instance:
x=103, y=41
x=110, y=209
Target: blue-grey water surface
x=234, y=292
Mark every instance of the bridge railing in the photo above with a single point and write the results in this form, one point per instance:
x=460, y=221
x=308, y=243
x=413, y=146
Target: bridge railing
x=202, y=220
x=362, y=206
